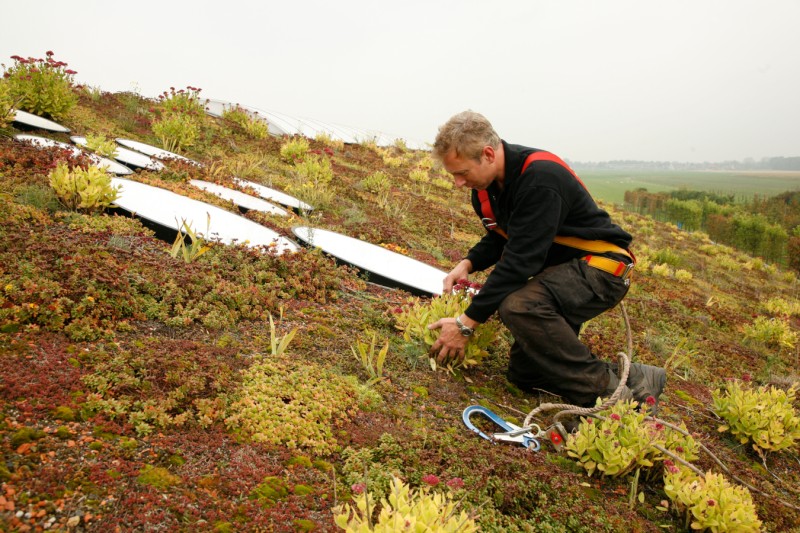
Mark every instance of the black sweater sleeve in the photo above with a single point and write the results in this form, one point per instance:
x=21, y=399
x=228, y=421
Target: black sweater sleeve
x=531, y=228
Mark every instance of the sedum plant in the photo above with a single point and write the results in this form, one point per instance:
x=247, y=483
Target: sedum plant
x=179, y=115
x=419, y=175
x=404, y=509
x=6, y=104
x=775, y=332
x=377, y=182
x=710, y=502
x=176, y=132
x=298, y=406
x=414, y=318
x=622, y=440
x=100, y=145
x=765, y=416
x=329, y=141
x=294, y=149
x=311, y=181
x=253, y=126
x=41, y=86
x=88, y=189
x=774, y=306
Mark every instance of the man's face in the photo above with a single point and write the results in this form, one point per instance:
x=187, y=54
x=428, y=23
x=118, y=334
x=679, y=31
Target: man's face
x=471, y=173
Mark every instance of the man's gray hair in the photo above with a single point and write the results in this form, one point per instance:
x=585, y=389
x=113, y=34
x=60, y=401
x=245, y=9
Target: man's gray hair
x=466, y=133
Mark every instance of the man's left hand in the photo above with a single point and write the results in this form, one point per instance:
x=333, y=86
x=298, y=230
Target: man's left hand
x=451, y=344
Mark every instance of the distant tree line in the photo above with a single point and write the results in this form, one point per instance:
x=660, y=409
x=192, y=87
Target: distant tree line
x=762, y=227
x=767, y=163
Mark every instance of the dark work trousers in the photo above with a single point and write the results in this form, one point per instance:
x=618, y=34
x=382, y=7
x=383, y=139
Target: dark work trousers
x=545, y=317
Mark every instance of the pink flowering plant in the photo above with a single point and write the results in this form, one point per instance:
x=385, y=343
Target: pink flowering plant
x=709, y=502
x=179, y=117
x=622, y=440
x=414, y=317
x=41, y=86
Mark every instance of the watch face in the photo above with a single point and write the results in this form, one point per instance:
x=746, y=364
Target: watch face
x=465, y=330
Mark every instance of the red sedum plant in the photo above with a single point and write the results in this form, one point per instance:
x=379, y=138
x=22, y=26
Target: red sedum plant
x=41, y=86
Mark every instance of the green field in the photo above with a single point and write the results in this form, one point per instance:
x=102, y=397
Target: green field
x=610, y=185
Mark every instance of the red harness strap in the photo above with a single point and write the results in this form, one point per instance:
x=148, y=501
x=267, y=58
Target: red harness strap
x=487, y=215
x=490, y=223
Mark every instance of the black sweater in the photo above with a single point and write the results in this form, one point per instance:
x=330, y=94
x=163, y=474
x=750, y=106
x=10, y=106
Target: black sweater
x=545, y=201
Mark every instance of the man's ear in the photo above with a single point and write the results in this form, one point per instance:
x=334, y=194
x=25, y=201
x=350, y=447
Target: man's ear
x=489, y=153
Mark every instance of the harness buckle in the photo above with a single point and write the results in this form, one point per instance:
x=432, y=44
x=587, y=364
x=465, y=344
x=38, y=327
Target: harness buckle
x=489, y=223
x=627, y=272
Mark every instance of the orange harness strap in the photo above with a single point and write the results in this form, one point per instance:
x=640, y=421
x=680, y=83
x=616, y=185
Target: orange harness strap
x=490, y=223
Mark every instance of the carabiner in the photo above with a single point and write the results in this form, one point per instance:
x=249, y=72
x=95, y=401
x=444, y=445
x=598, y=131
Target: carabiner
x=528, y=439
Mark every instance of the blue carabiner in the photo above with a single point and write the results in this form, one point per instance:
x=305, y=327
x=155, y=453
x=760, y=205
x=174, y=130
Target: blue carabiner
x=526, y=439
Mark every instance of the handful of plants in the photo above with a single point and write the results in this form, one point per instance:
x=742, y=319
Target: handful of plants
x=414, y=317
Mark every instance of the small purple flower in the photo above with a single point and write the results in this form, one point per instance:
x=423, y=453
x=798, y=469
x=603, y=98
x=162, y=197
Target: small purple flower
x=651, y=401
x=358, y=488
x=711, y=503
x=614, y=416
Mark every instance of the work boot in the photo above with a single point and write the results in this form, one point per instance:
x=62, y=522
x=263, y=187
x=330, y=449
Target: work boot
x=613, y=383
x=647, y=381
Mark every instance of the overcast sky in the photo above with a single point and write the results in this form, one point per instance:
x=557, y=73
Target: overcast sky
x=591, y=80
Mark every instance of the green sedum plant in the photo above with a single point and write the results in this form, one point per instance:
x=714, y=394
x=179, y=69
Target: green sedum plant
x=89, y=189
x=404, y=509
x=294, y=149
x=253, y=126
x=765, y=416
x=377, y=182
x=710, y=502
x=782, y=307
x=6, y=104
x=775, y=332
x=294, y=405
x=312, y=179
x=41, y=86
x=622, y=440
x=413, y=320
x=176, y=132
x=329, y=141
x=100, y=145
x=179, y=116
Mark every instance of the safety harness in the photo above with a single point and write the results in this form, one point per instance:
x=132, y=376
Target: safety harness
x=616, y=268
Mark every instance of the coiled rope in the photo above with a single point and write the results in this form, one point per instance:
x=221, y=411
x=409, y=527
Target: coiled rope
x=566, y=409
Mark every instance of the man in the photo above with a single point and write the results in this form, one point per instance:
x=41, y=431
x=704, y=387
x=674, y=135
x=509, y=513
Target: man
x=558, y=262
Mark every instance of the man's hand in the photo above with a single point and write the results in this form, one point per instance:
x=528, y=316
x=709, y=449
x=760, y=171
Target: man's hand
x=461, y=271
x=451, y=344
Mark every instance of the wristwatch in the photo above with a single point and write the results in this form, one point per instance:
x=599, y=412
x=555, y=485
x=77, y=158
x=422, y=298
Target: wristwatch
x=465, y=331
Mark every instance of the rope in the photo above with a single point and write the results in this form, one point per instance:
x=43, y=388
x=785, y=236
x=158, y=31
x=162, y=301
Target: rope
x=573, y=410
